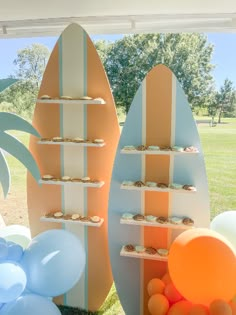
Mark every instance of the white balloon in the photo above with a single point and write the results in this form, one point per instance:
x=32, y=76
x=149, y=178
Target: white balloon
x=18, y=234
x=225, y=224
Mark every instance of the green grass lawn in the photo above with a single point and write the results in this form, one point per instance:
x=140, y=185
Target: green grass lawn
x=219, y=147
x=17, y=170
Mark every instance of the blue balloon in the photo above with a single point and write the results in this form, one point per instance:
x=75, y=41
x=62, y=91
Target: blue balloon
x=30, y=304
x=15, y=251
x=3, y=249
x=12, y=281
x=53, y=262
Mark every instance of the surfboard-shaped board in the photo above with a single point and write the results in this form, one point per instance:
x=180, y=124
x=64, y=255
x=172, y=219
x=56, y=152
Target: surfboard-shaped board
x=69, y=123
x=149, y=181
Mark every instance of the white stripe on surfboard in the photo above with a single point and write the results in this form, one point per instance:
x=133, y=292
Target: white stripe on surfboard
x=172, y=143
x=73, y=126
x=143, y=175
x=172, y=137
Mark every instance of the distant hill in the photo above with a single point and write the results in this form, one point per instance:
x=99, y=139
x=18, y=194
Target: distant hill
x=5, y=83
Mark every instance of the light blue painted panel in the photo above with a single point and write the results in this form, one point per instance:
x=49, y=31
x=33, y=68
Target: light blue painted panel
x=186, y=133
x=189, y=169
x=126, y=271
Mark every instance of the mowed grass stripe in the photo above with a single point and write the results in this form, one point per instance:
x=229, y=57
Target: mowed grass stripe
x=219, y=147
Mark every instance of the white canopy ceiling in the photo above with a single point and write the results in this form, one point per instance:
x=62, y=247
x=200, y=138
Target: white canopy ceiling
x=24, y=18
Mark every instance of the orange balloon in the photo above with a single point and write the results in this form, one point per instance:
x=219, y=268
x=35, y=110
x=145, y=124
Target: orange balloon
x=232, y=304
x=199, y=309
x=155, y=286
x=220, y=307
x=180, y=308
x=200, y=261
x=158, y=304
x=172, y=293
x=166, y=278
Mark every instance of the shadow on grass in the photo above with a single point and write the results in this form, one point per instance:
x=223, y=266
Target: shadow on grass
x=67, y=310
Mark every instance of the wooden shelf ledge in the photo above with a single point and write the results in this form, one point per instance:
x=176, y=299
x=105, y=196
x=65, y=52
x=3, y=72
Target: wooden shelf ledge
x=147, y=188
x=156, y=224
x=65, y=183
x=71, y=143
x=70, y=221
x=156, y=152
x=73, y=101
x=144, y=255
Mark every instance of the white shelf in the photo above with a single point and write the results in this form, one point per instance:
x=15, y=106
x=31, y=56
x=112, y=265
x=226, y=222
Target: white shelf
x=156, y=224
x=64, y=183
x=144, y=255
x=157, y=152
x=78, y=222
x=146, y=188
x=71, y=143
x=73, y=101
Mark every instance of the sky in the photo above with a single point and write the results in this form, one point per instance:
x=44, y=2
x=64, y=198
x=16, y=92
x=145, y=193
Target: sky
x=223, y=58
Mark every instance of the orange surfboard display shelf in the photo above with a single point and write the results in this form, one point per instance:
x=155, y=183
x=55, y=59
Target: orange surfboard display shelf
x=75, y=110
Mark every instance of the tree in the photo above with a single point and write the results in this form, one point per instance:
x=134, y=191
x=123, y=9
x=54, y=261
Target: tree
x=30, y=65
x=127, y=61
x=21, y=96
x=226, y=99
x=103, y=47
x=31, y=62
x=223, y=101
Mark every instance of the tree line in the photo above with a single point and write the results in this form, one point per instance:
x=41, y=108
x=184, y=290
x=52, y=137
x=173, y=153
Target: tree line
x=127, y=61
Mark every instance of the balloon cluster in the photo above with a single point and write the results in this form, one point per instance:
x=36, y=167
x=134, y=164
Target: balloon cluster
x=202, y=272
x=50, y=266
x=165, y=299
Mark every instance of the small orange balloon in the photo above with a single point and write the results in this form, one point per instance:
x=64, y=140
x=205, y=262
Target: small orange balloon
x=199, y=309
x=232, y=304
x=155, y=286
x=158, y=304
x=172, y=293
x=220, y=307
x=166, y=278
x=180, y=308
x=199, y=260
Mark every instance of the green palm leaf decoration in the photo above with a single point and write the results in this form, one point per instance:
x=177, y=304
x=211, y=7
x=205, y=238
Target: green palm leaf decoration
x=5, y=176
x=5, y=83
x=13, y=146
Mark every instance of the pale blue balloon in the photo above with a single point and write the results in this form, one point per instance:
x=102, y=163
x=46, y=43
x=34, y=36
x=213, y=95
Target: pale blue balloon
x=3, y=249
x=15, y=251
x=2, y=240
x=225, y=223
x=12, y=281
x=30, y=304
x=53, y=262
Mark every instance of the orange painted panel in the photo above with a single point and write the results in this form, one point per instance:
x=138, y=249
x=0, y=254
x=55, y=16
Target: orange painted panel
x=101, y=123
x=78, y=72
x=158, y=107
x=157, y=168
x=46, y=120
x=158, y=132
